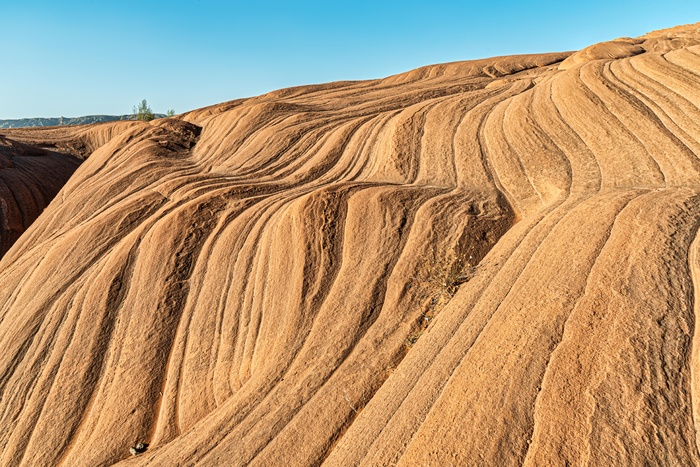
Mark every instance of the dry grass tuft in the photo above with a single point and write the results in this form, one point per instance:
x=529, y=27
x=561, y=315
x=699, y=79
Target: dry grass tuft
x=438, y=281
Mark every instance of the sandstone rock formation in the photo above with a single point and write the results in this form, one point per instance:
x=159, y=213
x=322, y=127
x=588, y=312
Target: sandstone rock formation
x=29, y=179
x=245, y=285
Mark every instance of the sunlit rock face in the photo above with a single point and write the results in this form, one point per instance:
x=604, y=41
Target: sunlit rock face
x=490, y=262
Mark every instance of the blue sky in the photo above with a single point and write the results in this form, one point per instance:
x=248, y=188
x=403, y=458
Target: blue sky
x=71, y=58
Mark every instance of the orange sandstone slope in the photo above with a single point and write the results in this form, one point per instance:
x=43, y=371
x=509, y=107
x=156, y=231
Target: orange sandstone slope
x=262, y=282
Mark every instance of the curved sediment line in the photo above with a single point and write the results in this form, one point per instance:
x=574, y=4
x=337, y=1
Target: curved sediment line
x=465, y=354
x=624, y=156
x=476, y=444
x=547, y=369
x=404, y=230
x=543, y=163
x=679, y=164
x=694, y=266
x=456, y=341
x=487, y=163
x=615, y=98
x=586, y=173
x=513, y=174
x=115, y=299
x=605, y=331
x=670, y=113
x=372, y=436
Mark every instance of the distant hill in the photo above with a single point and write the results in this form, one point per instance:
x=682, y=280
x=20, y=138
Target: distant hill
x=65, y=121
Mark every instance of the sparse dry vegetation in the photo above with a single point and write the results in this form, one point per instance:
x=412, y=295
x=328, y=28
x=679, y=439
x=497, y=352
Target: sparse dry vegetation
x=438, y=281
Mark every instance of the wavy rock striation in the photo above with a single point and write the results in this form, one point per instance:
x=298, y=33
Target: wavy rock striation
x=246, y=285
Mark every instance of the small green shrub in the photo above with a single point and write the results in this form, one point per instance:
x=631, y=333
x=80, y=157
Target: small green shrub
x=143, y=111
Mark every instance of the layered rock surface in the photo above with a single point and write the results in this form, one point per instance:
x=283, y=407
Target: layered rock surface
x=29, y=179
x=246, y=285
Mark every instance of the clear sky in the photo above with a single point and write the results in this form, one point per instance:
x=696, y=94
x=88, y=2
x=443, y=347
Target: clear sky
x=71, y=58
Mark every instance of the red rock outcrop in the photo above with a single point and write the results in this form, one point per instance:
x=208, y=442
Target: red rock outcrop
x=29, y=179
